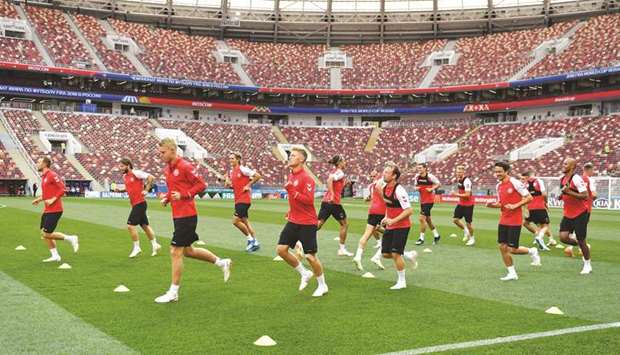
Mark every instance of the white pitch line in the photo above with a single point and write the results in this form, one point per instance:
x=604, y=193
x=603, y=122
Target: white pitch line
x=508, y=339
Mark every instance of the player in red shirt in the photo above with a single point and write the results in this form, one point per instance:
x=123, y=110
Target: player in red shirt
x=511, y=195
x=302, y=223
x=376, y=212
x=52, y=190
x=426, y=184
x=575, y=197
x=537, y=210
x=397, y=222
x=331, y=206
x=183, y=185
x=465, y=207
x=137, y=185
x=240, y=179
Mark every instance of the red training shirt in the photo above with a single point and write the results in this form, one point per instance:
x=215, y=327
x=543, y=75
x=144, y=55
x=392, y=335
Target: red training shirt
x=52, y=186
x=181, y=176
x=134, y=185
x=300, y=187
x=239, y=178
x=511, y=191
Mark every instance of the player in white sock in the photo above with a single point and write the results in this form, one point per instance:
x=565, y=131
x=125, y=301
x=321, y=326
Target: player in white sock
x=426, y=184
x=465, y=206
x=52, y=190
x=376, y=212
x=512, y=195
x=302, y=223
x=241, y=178
x=137, y=185
x=331, y=206
x=183, y=185
x=537, y=209
x=397, y=221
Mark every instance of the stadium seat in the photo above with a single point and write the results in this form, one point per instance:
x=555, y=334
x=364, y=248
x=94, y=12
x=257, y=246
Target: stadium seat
x=110, y=138
x=25, y=126
x=176, y=54
x=113, y=60
x=62, y=44
x=8, y=169
x=496, y=57
x=594, y=45
x=284, y=64
x=254, y=142
x=387, y=65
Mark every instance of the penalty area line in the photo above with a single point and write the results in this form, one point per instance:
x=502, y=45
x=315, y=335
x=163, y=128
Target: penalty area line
x=508, y=339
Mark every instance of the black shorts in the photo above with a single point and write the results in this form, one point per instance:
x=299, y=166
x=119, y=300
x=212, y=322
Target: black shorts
x=137, y=216
x=538, y=217
x=304, y=233
x=394, y=241
x=49, y=221
x=374, y=219
x=184, y=234
x=241, y=210
x=425, y=209
x=331, y=209
x=579, y=225
x=509, y=235
x=466, y=212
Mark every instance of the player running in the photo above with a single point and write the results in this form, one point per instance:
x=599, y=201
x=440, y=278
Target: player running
x=575, y=197
x=331, y=206
x=302, y=223
x=376, y=213
x=537, y=210
x=137, y=184
x=512, y=195
x=465, y=207
x=426, y=184
x=52, y=190
x=183, y=185
x=397, y=223
x=240, y=179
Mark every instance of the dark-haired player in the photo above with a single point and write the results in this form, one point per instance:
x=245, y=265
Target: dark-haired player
x=331, y=206
x=137, y=184
x=512, y=195
x=52, y=190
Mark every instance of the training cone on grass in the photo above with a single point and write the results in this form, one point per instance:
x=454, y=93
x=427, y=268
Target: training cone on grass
x=121, y=288
x=452, y=235
x=64, y=266
x=559, y=246
x=337, y=239
x=368, y=275
x=20, y=248
x=554, y=310
x=265, y=340
x=278, y=258
x=200, y=242
x=427, y=250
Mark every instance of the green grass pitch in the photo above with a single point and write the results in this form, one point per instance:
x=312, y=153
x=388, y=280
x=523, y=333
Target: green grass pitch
x=454, y=296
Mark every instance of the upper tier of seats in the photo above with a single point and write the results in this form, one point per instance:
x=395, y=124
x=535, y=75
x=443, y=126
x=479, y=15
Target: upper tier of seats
x=176, y=54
